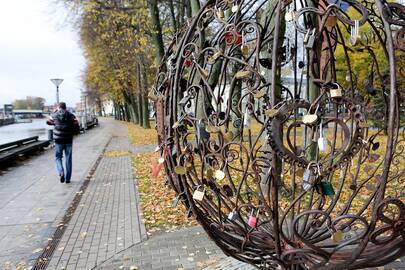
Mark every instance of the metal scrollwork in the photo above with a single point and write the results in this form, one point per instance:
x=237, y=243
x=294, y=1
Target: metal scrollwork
x=281, y=126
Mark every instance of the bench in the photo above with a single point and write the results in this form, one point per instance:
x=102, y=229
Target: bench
x=14, y=149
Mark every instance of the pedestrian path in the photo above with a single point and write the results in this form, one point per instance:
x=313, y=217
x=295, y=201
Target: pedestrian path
x=33, y=201
x=184, y=249
x=107, y=219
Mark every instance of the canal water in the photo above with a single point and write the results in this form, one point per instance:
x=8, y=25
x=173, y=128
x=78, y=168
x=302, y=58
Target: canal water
x=18, y=131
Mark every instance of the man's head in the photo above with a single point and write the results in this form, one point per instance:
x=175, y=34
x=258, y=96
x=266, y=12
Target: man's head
x=62, y=105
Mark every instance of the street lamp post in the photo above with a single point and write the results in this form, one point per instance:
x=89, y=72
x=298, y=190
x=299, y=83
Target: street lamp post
x=57, y=82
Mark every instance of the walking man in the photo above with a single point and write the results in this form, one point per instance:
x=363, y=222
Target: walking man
x=66, y=125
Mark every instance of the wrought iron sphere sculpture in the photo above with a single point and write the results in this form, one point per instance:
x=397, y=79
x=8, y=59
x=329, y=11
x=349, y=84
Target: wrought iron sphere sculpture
x=286, y=152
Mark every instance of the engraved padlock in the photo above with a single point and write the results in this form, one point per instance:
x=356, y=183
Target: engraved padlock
x=199, y=194
x=336, y=92
x=322, y=141
x=252, y=221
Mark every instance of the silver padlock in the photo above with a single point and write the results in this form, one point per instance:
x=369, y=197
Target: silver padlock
x=322, y=141
x=309, y=176
x=198, y=194
x=311, y=40
x=336, y=92
x=232, y=216
x=310, y=118
x=247, y=118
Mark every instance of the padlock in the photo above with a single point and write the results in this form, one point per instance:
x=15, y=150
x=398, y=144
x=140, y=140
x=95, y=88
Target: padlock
x=180, y=170
x=161, y=160
x=247, y=118
x=308, y=176
x=219, y=175
x=311, y=40
x=252, y=221
x=212, y=59
x=322, y=141
x=309, y=118
x=261, y=93
x=289, y=16
x=243, y=74
x=244, y=49
x=336, y=92
x=327, y=188
x=220, y=13
x=235, y=8
x=209, y=173
x=228, y=136
x=271, y=113
x=331, y=21
x=187, y=62
x=355, y=33
x=337, y=236
x=198, y=194
x=232, y=216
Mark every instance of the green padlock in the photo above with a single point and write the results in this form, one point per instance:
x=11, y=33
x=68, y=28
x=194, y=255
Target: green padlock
x=327, y=188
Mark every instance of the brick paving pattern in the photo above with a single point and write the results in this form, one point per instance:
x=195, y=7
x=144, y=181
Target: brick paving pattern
x=185, y=249
x=107, y=220
x=33, y=201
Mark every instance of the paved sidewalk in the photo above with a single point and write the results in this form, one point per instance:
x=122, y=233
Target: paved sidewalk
x=186, y=249
x=183, y=249
x=107, y=220
x=33, y=200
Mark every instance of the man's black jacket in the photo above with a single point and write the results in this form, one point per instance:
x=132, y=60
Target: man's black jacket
x=66, y=125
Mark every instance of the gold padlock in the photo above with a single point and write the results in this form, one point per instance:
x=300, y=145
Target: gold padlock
x=228, y=136
x=271, y=113
x=245, y=49
x=260, y=94
x=212, y=59
x=220, y=13
x=243, y=74
x=337, y=236
x=180, y=170
x=331, y=21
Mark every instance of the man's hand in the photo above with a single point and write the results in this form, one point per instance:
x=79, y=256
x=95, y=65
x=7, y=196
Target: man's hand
x=50, y=121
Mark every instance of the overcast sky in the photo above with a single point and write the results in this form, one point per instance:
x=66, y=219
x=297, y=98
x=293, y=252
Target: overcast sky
x=36, y=44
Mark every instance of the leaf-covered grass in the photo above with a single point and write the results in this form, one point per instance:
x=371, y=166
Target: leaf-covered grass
x=141, y=136
x=157, y=198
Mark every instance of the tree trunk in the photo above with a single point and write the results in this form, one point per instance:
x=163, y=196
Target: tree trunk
x=145, y=103
x=173, y=15
x=157, y=33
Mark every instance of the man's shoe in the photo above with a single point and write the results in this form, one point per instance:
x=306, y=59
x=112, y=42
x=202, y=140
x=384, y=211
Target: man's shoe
x=67, y=181
x=62, y=178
